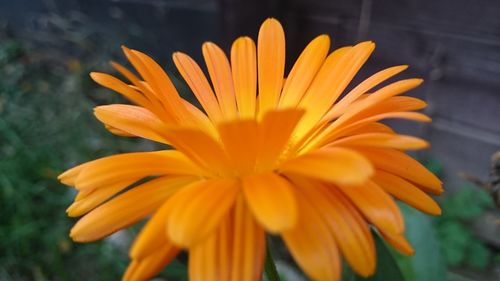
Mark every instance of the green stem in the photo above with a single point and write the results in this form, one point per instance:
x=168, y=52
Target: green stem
x=270, y=267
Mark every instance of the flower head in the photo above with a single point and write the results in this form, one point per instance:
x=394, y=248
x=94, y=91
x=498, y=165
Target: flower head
x=297, y=157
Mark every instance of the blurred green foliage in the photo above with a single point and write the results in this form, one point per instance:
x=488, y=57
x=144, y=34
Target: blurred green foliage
x=458, y=243
x=44, y=127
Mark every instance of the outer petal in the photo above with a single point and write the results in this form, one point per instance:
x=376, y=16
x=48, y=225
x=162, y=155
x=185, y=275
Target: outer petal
x=117, y=85
x=244, y=68
x=261, y=193
x=334, y=76
x=363, y=88
x=336, y=165
x=87, y=201
x=198, y=83
x=376, y=205
x=248, y=245
x=303, y=71
x=271, y=64
x=235, y=251
x=116, y=168
x=400, y=164
x=199, y=208
x=312, y=245
x=126, y=208
x=406, y=192
x=134, y=120
x=222, y=80
x=144, y=269
x=382, y=140
x=348, y=227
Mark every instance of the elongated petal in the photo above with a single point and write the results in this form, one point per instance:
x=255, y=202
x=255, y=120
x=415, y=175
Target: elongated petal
x=312, y=245
x=303, y=71
x=248, y=245
x=150, y=266
x=271, y=64
x=331, y=133
x=372, y=127
x=112, y=169
x=117, y=85
x=386, y=92
x=376, y=205
x=336, y=165
x=134, y=120
x=199, y=208
x=261, y=192
x=400, y=164
x=222, y=80
x=275, y=131
x=353, y=238
x=399, y=242
x=194, y=77
x=335, y=74
x=235, y=251
x=382, y=140
x=126, y=209
x=244, y=68
x=95, y=197
x=406, y=192
x=362, y=88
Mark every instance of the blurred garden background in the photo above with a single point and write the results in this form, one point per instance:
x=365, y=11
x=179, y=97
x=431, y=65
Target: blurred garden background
x=48, y=47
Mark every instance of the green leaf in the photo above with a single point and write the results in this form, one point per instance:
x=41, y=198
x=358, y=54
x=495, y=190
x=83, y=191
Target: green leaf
x=427, y=263
x=479, y=255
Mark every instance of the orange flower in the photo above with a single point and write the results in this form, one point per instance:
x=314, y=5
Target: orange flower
x=288, y=157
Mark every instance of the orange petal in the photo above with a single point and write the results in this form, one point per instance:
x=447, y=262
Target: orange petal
x=222, y=80
x=303, y=71
x=201, y=148
x=150, y=266
x=162, y=86
x=275, y=131
x=337, y=165
x=199, y=208
x=386, y=92
x=312, y=245
x=354, y=238
x=377, y=206
x=406, y=192
x=248, y=246
x=126, y=209
x=244, y=67
x=399, y=242
x=240, y=141
x=261, y=192
x=134, y=120
x=271, y=64
x=382, y=140
x=83, y=204
x=334, y=76
x=117, y=85
x=194, y=77
x=235, y=251
x=373, y=127
x=363, y=88
x=333, y=132
x=112, y=169
x=400, y=164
